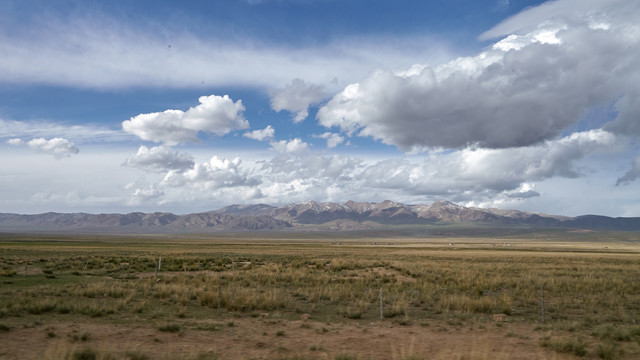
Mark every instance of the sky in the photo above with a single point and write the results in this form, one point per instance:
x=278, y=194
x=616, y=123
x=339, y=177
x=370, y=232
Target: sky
x=189, y=106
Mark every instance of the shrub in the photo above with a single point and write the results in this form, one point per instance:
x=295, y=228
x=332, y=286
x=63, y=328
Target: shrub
x=170, y=328
x=85, y=354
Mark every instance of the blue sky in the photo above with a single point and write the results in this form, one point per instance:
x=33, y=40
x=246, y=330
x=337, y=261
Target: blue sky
x=190, y=106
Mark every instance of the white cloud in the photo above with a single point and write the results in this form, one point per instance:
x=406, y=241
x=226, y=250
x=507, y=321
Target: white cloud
x=159, y=158
x=333, y=139
x=78, y=134
x=296, y=97
x=261, y=135
x=214, y=174
x=58, y=147
x=526, y=191
x=632, y=174
x=216, y=115
x=565, y=11
x=146, y=194
x=93, y=182
x=527, y=88
x=311, y=176
x=287, y=168
x=473, y=173
x=98, y=52
x=470, y=176
x=294, y=146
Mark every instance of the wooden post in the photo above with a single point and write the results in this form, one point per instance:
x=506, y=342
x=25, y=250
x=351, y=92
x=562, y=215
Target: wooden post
x=381, y=313
x=542, y=302
x=25, y=268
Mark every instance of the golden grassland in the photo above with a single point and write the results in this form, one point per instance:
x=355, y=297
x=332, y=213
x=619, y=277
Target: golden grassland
x=297, y=296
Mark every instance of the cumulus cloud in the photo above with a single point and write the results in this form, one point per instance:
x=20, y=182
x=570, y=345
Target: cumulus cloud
x=470, y=176
x=632, y=175
x=565, y=11
x=466, y=175
x=159, y=158
x=292, y=146
x=486, y=172
x=286, y=167
x=214, y=174
x=333, y=139
x=525, y=89
x=307, y=176
x=216, y=115
x=526, y=191
x=144, y=194
x=261, y=135
x=58, y=147
x=296, y=97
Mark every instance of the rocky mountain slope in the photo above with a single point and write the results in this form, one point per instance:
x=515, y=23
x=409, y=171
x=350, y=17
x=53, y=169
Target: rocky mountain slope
x=308, y=215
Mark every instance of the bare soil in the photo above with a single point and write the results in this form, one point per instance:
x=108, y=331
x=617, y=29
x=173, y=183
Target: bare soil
x=273, y=338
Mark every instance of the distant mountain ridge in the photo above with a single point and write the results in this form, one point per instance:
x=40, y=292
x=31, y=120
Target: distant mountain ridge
x=308, y=216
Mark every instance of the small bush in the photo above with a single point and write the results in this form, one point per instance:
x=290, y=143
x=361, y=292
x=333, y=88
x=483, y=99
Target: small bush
x=136, y=355
x=346, y=357
x=170, y=328
x=85, y=354
x=577, y=346
x=609, y=351
x=7, y=272
x=80, y=337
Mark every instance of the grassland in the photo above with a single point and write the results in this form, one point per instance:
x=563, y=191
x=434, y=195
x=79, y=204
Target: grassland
x=291, y=296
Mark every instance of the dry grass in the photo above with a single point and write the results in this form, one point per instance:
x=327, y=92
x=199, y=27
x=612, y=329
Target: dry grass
x=592, y=296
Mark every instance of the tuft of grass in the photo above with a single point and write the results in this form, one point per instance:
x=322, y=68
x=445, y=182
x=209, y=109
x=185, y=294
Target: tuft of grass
x=7, y=272
x=170, y=328
x=346, y=357
x=609, y=351
x=207, y=356
x=575, y=346
x=80, y=337
x=136, y=355
x=85, y=354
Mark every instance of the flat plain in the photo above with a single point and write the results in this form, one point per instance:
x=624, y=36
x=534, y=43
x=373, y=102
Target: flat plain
x=537, y=295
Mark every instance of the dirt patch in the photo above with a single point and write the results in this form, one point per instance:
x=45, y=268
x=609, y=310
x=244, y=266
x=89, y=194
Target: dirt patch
x=383, y=271
x=273, y=338
x=21, y=270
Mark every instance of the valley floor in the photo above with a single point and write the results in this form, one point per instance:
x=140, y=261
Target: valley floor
x=236, y=296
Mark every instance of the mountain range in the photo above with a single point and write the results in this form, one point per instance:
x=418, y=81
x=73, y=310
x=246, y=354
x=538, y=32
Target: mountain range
x=307, y=216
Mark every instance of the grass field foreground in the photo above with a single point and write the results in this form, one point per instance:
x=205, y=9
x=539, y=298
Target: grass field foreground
x=81, y=297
